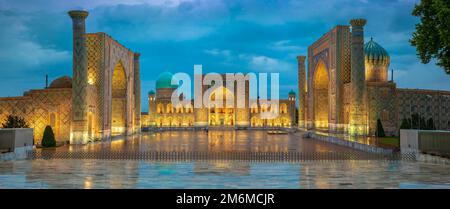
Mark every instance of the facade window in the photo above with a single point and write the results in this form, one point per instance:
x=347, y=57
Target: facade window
x=385, y=115
x=283, y=108
x=159, y=108
x=169, y=108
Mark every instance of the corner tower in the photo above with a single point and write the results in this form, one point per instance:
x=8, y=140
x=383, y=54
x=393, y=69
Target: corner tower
x=358, y=119
x=301, y=92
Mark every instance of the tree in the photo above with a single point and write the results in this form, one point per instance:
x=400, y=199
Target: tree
x=48, y=140
x=380, y=130
x=430, y=124
x=406, y=124
x=13, y=121
x=432, y=36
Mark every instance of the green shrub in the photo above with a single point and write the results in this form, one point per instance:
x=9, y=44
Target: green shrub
x=406, y=124
x=430, y=124
x=48, y=140
x=380, y=130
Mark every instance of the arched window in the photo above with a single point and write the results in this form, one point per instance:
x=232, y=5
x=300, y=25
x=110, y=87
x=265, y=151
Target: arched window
x=179, y=108
x=169, y=108
x=254, y=108
x=159, y=108
x=385, y=115
x=283, y=108
x=263, y=108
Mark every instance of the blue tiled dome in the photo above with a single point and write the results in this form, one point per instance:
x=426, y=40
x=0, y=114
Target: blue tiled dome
x=165, y=81
x=374, y=53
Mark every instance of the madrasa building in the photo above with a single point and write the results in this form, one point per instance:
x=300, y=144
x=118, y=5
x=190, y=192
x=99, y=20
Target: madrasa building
x=102, y=99
x=346, y=88
x=253, y=113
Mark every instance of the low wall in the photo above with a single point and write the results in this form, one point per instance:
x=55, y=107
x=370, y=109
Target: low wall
x=13, y=138
x=425, y=141
x=350, y=144
x=17, y=142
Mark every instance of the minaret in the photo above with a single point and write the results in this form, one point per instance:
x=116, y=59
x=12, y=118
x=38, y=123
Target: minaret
x=301, y=91
x=358, y=121
x=137, y=93
x=292, y=107
x=79, y=132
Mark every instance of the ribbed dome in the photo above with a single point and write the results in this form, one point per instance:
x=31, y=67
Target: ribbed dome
x=165, y=81
x=375, y=54
x=61, y=82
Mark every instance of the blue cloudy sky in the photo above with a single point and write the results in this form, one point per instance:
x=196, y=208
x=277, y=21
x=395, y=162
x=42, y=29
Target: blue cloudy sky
x=222, y=35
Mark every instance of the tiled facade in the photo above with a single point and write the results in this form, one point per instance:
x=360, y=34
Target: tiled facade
x=333, y=92
x=162, y=113
x=100, y=101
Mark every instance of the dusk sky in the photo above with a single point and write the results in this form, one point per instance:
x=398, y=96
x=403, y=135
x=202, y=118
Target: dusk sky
x=222, y=35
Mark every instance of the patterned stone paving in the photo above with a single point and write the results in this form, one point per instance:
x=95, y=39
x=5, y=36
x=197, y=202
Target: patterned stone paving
x=96, y=173
x=221, y=174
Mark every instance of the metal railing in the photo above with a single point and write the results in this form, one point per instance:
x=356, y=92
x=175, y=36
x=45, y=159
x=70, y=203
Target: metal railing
x=212, y=156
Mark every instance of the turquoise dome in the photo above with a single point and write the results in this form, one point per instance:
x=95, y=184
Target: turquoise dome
x=374, y=53
x=292, y=92
x=151, y=92
x=165, y=81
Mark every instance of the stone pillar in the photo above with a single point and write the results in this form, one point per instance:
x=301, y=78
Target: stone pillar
x=79, y=129
x=152, y=109
x=301, y=92
x=242, y=115
x=137, y=94
x=358, y=118
x=200, y=111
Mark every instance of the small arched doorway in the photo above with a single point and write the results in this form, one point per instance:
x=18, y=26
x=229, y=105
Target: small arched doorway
x=118, y=100
x=321, y=98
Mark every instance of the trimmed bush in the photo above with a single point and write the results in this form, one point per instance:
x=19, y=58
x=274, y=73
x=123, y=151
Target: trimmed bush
x=380, y=130
x=48, y=140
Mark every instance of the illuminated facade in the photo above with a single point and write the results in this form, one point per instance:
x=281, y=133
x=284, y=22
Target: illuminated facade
x=256, y=113
x=346, y=88
x=99, y=101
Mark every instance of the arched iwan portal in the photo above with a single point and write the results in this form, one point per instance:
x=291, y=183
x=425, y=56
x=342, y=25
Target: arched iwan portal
x=221, y=114
x=321, y=100
x=119, y=89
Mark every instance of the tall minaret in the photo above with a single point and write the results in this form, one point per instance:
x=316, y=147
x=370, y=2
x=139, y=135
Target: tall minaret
x=301, y=92
x=79, y=129
x=137, y=93
x=358, y=121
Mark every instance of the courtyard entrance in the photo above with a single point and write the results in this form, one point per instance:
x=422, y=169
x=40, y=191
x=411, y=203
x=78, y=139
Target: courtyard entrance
x=321, y=99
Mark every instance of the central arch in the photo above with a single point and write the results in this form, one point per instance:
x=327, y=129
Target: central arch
x=321, y=98
x=221, y=115
x=118, y=100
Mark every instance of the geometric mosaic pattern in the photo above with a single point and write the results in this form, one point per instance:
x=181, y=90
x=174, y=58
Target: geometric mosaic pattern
x=37, y=107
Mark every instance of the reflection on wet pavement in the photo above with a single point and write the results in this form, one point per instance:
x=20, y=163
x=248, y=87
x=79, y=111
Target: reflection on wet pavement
x=95, y=173
x=213, y=141
x=224, y=174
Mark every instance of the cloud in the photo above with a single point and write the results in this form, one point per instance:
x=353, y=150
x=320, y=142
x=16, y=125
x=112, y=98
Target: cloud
x=262, y=63
x=285, y=45
x=223, y=35
x=218, y=52
x=21, y=54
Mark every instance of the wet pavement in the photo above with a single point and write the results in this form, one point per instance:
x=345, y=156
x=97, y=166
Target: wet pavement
x=97, y=173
